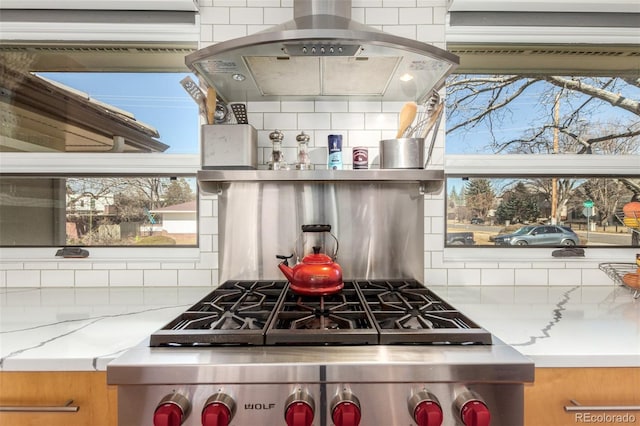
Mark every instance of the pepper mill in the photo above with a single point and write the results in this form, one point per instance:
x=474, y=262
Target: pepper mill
x=277, y=156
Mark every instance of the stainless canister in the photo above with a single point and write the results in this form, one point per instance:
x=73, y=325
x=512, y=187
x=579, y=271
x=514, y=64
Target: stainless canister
x=404, y=153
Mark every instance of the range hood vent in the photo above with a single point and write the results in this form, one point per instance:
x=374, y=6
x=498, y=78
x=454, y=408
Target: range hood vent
x=322, y=54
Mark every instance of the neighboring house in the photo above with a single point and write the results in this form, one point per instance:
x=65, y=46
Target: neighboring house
x=179, y=218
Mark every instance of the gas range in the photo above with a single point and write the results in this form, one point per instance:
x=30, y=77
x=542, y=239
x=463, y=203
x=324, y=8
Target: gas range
x=365, y=312
x=380, y=352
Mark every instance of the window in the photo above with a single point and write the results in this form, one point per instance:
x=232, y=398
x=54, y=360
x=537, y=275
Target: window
x=529, y=212
x=98, y=211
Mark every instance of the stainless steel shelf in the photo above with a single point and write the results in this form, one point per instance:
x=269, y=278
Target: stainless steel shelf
x=370, y=175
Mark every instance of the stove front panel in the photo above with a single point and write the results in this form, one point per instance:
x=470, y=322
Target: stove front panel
x=380, y=403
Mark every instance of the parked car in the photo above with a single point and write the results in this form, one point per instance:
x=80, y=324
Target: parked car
x=548, y=235
x=460, y=239
x=477, y=221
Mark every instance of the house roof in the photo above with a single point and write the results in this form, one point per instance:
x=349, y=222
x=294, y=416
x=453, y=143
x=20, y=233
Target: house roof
x=55, y=117
x=188, y=207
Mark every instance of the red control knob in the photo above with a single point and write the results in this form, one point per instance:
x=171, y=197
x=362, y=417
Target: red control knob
x=475, y=413
x=428, y=413
x=216, y=414
x=168, y=415
x=346, y=414
x=299, y=414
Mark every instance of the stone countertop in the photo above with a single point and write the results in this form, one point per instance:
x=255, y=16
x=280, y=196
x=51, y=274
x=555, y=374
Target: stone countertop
x=66, y=329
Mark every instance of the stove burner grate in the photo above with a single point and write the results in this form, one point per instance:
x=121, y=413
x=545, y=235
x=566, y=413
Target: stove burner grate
x=364, y=312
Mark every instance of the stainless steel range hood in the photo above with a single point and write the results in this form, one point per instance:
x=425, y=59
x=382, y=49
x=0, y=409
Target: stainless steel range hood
x=322, y=54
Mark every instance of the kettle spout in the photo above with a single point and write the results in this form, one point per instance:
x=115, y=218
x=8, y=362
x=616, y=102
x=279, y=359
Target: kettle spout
x=284, y=267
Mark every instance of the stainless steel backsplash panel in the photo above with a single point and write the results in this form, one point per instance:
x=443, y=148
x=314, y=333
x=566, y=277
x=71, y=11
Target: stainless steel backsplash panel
x=379, y=226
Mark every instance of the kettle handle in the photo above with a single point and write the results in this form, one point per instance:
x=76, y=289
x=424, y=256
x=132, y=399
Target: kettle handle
x=316, y=228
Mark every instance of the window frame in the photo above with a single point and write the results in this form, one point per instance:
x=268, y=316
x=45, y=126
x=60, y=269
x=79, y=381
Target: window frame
x=90, y=165
x=522, y=165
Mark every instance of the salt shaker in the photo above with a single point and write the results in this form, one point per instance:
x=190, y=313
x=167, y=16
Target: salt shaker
x=304, y=161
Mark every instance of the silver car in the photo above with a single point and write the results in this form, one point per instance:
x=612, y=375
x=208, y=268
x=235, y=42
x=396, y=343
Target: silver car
x=547, y=235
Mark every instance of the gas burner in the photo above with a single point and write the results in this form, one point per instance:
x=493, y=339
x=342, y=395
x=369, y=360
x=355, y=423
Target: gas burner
x=331, y=319
x=364, y=312
x=237, y=312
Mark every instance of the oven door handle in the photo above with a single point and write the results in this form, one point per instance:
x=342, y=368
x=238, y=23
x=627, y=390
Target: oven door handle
x=65, y=408
x=579, y=407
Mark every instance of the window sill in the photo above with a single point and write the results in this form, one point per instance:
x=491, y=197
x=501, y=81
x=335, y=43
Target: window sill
x=103, y=255
x=535, y=255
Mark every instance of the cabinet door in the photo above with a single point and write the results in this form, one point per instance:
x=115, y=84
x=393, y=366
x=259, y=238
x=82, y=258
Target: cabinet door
x=88, y=390
x=554, y=388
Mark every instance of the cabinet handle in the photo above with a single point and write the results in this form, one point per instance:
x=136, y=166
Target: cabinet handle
x=66, y=408
x=579, y=407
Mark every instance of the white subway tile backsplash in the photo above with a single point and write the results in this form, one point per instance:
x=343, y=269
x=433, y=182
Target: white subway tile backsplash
x=155, y=278
x=381, y=15
x=281, y=121
x=463, y=277
x=364, y=106
x=430, y=34
x=128, y=278
x=143, y=265
x=246, y=16
x=271, y=106
x=57, y=278
x=416, y=15
x=208, y=225
x=490, y=277
x=331, y=106
x=595, y=277
x=310, y=121
x=347, y=120
x=435, y=276
x=233, y=3
x=368, y=138
x=178, y=265
x=434, y=208
x=205, y=208
x=263, y=3
x=277, y=15
x=69, y=264
x=3, y=278
x=297, y=106
x=214, y=15
x=208, y=261
x=205, y=243
x=565, y=276
x=381, y=121
x=228, y=32
x=92, y=278
x=109, y=265
x=406, y=31
x=439, y=15
x=195, y=277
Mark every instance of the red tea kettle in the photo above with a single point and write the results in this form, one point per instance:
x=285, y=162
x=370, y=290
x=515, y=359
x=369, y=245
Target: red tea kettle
x=318, y=274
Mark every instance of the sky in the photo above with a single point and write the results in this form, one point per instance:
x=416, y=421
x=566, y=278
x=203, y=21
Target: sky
x=158, y=100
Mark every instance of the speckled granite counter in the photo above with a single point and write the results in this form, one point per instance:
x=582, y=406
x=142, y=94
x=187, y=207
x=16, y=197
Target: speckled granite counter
x=52, y=329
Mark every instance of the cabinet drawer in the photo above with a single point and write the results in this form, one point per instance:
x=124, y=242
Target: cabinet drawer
x=97, y=402
x=554, y=388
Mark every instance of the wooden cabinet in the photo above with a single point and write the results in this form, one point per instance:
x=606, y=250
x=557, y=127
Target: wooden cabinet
x=554, y=388
x=87, y=389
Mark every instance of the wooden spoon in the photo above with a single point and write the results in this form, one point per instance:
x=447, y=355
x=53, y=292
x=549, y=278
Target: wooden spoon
x=407, y=115
x=211, y=105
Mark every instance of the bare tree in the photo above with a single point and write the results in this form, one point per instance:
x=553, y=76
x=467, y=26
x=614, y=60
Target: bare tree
x=580, y=115
x=491, y=101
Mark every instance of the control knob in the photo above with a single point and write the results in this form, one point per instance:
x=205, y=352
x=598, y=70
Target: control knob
x=172, y=410
x=472, y=409
x=218, y=410
x=345, y=409
x=299, y=408
x=425, y=409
